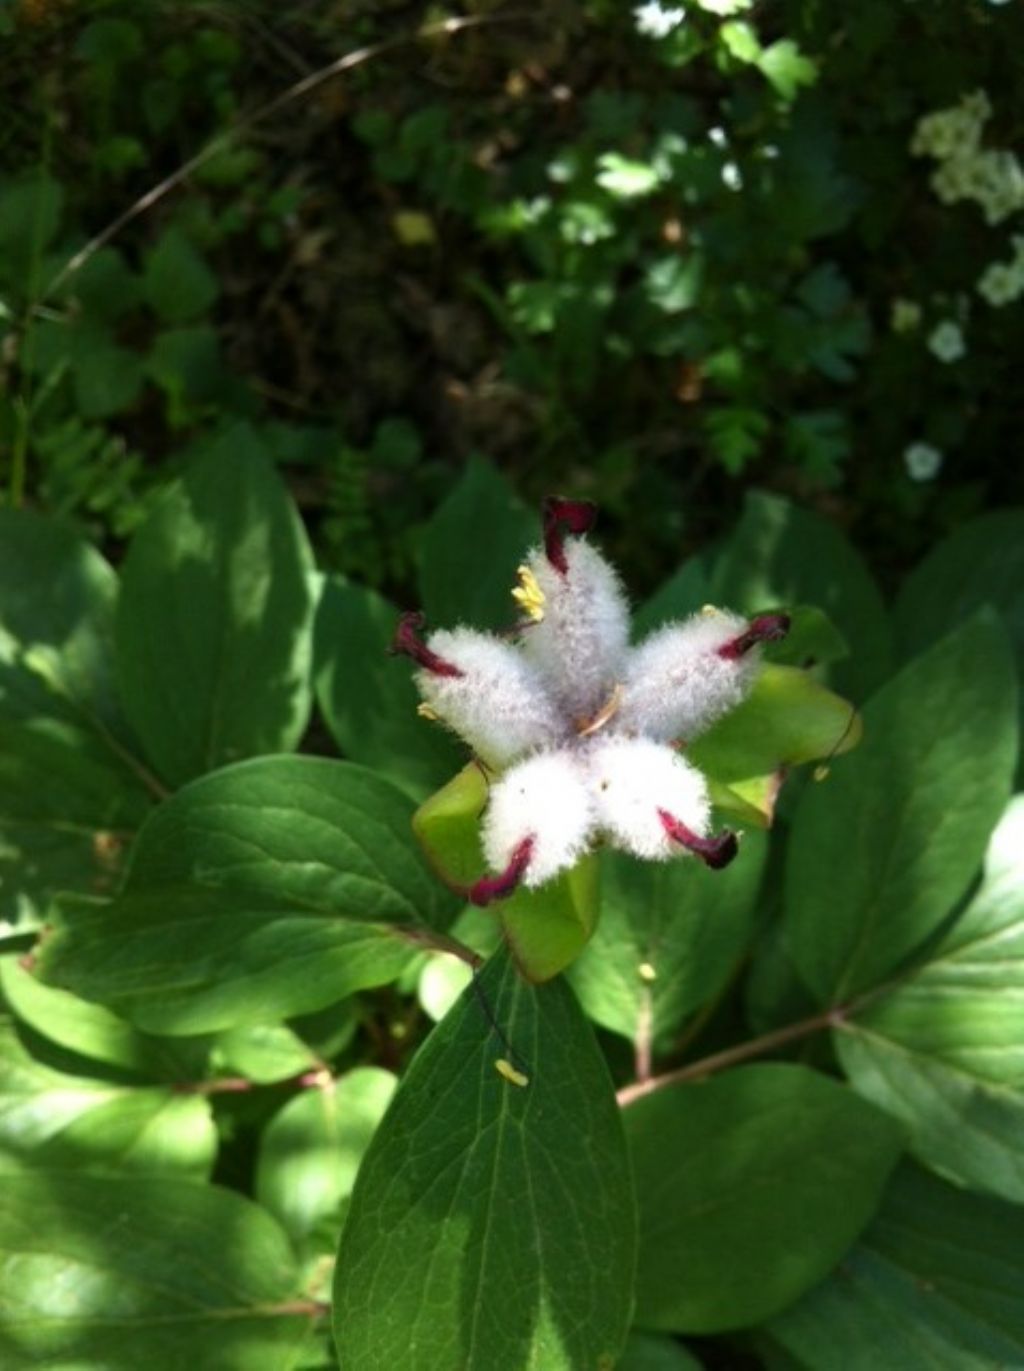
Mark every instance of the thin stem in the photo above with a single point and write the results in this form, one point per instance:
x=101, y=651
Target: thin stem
x=642, y=1037
x=433, y=941
x=718, y=1061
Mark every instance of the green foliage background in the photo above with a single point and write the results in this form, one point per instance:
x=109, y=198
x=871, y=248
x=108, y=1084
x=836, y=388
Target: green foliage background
x=665, y=259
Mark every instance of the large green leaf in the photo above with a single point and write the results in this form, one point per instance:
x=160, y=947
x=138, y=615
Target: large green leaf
x=491, y=1226
x=116, y=1274
x=311, y=1149
x=751, y=1187
x=268, y=889
x=53, y=1119
x=470, y=550
x=944, y=1051
x=780, y=555
x=981, y=564
x=879, y=855
x=68, y=811
x=57, y=600
x=937, y=1281
x=649, y=1352
x=368, y=697
x=669, y=936
x=681, y=595
x=214, y=631
x=92, y=1032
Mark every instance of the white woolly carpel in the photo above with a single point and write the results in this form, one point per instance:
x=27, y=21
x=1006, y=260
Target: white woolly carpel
x=498, y=704
x=580, y=643
x=675, y=683
x=546, y=798
x=633, y=779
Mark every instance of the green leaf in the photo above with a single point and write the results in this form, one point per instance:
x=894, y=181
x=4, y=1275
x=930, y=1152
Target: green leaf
x=271, y=888
x=624, y=177
x=30, y=214
x=944, y=1051
x=176, y=281
x=881, y=853
x=936, y=1281
x=93, y=1034
x=97, y=1276
x=491, y=1223
x=751, y=1187
x=106, y=377
x=781, y=555
x=737, y=434
x=311, y=1149
x=53, y=1119
x=740, y=39
x=68, y=811
x=263, y=1053
x=812, y=639
x=470, y=550
x=981, y=564
x=214, y=633
x=367, y=696
x=57, y=600
x=648, y=1352
x=786, y=68
x=669, y=936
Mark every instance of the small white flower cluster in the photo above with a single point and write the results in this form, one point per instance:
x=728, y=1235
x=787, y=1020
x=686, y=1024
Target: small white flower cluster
x=992, y=177
x=922, y=461
x=1003, y=282
x=583, y=726
x=946, y=341
x=654, y=20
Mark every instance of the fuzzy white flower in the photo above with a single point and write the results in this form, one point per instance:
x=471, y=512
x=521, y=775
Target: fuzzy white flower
x=946, y=341
x=581, y=725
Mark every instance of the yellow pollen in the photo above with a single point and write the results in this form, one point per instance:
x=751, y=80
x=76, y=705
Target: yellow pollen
x=646, y=972
x=426, y=712
x=608, y=711
x=506, y=1069
x=710, y=610
x=528, y=595
x=820, y=773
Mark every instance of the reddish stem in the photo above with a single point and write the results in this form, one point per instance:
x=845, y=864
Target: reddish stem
x=491, y=888
x=408, y=643
x=766, y=628
x=562, y=517
x=714, y=852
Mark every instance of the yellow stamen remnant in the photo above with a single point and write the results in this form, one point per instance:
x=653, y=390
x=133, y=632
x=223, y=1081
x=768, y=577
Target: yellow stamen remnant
x=506, y=1069
x=646, y=972
x=710, y=610
x=607, y=712
x=528, y=595
x=425, y=712
x=820, y=773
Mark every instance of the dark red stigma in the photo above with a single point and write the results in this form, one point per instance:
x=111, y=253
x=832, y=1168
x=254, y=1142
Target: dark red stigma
x=562, y=517
x=491, y=888
x=714, y=852
x=766, y=628
x=408, y=643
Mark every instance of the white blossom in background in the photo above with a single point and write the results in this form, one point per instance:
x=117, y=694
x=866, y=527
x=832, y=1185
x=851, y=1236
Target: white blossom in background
x=657, y=21
x=1003, y=282
x=922, y=461
x=946, y=341
x=583, y=728
x=992, y=177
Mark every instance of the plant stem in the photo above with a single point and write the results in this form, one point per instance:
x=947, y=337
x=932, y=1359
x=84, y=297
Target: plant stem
x=718, y=1061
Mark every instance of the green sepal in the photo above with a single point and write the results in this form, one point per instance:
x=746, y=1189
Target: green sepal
x=545, y=929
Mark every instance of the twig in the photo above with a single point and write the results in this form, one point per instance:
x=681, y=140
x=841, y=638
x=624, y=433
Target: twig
x=718, y=1061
